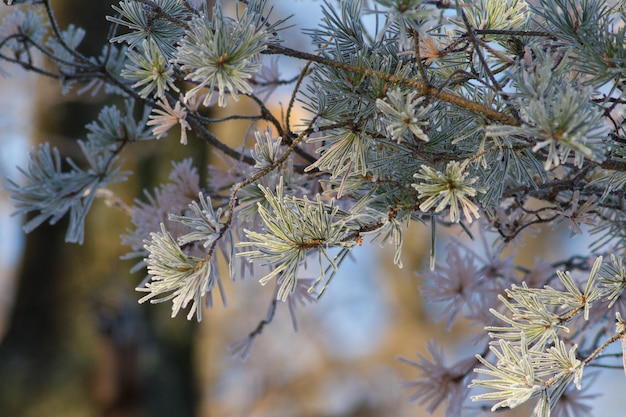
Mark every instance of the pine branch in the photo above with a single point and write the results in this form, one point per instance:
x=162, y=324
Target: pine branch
x=422, y=87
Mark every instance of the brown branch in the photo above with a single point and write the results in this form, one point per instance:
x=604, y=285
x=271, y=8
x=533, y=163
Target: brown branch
x=423, y=88
x=614, y=165
x=203, y=133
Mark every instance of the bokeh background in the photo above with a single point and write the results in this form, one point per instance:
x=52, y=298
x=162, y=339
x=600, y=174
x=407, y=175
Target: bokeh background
x=74, y=341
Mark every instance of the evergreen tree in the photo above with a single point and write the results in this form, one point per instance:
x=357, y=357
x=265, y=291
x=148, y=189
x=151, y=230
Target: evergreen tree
x=491, y=116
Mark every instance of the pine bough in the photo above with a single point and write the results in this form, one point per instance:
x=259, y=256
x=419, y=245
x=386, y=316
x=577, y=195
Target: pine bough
x=504, y=114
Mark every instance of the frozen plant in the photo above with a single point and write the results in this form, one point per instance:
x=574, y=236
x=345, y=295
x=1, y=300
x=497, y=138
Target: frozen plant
x=505, y=115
